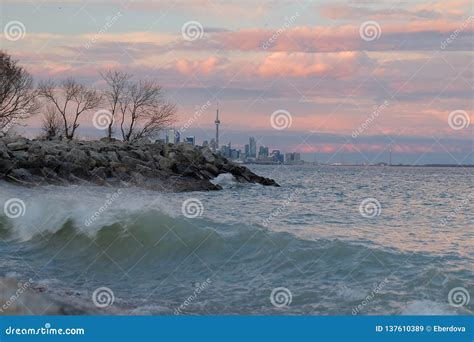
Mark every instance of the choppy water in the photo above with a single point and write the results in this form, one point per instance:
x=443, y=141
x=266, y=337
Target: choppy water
x=306, y=241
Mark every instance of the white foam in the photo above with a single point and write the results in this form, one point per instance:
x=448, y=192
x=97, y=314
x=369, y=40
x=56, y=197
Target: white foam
x=47, y=209
x=427, y=308
x=224, y=179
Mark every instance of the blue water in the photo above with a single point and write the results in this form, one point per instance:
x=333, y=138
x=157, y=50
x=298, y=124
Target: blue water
x=307, y=247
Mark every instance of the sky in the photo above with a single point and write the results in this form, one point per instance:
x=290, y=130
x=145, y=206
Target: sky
x=335, y=80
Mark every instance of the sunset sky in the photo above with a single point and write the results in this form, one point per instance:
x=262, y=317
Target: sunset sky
x=329, y=65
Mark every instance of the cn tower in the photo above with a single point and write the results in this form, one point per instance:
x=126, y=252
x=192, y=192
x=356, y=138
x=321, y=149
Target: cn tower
x=217, y=122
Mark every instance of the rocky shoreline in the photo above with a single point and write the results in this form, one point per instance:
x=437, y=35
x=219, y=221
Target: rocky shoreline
x=157, y=166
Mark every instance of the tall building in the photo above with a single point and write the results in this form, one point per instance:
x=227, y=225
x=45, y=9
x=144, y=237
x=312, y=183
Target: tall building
x=213, y=145
x=252, y=148
x=277, y=156
x=217, y=122
x=190, y=140
x=172, y=136
x=292, y=158
x=263, y=152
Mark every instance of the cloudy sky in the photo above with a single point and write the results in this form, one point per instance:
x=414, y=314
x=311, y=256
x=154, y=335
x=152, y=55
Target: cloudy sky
x=345, y=80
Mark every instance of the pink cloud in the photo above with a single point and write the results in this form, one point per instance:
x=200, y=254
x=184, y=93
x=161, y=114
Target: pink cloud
x=202, y=67
x=298, y=64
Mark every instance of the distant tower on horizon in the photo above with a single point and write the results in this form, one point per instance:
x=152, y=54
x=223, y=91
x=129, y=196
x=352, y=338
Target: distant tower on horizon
x=217, y=122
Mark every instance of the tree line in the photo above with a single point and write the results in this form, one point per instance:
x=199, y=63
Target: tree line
x=133, y=108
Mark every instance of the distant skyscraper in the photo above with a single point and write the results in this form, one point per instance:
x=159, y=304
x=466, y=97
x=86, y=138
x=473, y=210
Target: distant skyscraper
x=190, y=140
x=172, y=136
x=252, y=148
x=263, y=152
x=217, y=122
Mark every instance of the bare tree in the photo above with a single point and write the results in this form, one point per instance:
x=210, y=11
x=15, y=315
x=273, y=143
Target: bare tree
x=144, y=110
x=17, y=94
x=71, y=99
x=117, y=83
x=52, y=123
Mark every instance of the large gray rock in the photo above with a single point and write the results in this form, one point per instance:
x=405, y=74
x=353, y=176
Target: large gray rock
x=165, y=167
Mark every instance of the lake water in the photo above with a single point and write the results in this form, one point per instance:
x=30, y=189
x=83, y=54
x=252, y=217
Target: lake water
x=330, y=241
